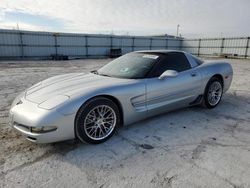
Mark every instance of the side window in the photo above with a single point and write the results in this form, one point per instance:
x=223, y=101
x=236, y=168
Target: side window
x=172, y=61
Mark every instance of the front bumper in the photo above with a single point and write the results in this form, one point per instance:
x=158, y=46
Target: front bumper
x=27, y=114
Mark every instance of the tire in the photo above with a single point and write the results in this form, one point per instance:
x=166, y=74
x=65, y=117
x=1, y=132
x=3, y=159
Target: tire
x=97, y=120
x=212, y=96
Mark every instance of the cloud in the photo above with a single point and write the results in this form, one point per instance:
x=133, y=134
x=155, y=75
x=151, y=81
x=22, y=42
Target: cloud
x=2, y=14
x=23, y=26
x=35, y=21
x=141, y=17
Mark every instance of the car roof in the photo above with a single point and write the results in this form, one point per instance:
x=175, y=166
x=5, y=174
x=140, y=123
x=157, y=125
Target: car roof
x=159, y=51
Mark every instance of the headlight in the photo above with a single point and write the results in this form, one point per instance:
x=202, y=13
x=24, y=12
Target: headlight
x=43, y=129
x=53, y=102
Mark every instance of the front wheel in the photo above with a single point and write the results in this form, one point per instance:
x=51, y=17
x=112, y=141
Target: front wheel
x=213, y=93
x=97, y=120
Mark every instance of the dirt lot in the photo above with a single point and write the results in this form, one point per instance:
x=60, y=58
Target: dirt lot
x=192, y=147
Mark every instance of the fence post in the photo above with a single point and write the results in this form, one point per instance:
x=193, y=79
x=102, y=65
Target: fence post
x=222, y=46
x=150, y=45
x=86, y=46
x=181, y=44
x=166, y=43
x=199, y=46
x=133, y=44
x=247, y=47
x=111, y=42
x=21, y=44
x=55, y=42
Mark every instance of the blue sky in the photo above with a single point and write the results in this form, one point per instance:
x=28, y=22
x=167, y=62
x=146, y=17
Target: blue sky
x=197, y=18
x=32, y=19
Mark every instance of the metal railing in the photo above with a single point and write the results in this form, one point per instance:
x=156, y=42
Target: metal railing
x=16, y=44
x=26, y=44
x=236, y=47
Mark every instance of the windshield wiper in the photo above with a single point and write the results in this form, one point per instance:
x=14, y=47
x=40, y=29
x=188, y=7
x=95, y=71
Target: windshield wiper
x=105, y=75
x=94, y=72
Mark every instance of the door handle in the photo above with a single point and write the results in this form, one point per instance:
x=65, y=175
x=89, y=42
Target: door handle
x=193, y=74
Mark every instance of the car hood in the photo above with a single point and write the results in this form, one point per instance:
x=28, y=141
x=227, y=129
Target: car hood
x=69, y=84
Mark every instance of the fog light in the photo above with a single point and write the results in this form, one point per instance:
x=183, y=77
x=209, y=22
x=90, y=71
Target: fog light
x=43, y=129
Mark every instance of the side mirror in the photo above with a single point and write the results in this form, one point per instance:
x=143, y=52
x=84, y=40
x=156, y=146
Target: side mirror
x=168, y=73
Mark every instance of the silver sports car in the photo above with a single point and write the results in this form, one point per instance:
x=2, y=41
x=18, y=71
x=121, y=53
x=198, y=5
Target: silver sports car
x=90, y=107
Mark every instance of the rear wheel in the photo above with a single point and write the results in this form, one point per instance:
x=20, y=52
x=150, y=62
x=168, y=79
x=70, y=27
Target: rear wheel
x=97, y=120
x=213, y=93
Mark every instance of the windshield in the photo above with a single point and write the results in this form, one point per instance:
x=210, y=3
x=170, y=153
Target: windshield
x=132, y=65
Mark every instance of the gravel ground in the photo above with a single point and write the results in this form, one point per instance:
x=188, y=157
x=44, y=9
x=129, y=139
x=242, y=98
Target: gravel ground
x=192, y=147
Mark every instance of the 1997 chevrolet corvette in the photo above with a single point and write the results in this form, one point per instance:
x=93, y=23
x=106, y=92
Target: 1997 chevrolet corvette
x=130, y=88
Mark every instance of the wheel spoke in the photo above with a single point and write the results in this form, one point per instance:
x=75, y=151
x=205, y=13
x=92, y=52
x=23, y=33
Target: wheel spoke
x=95, y=132
x=109, y=116
x=92, y=131
x=89, y=121
x=89, y=127
x=106, y=112
x=106, y=128
x=101, y=132
x=99, y=110
x=109, y=122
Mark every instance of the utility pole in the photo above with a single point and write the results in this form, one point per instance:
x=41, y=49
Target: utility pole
x=177, y=34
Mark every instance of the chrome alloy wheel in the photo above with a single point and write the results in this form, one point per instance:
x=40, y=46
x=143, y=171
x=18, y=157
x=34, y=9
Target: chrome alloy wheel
x=100, y=122
x=214, y=93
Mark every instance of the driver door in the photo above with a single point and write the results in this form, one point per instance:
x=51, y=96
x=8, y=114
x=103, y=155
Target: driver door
x=172, y=92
